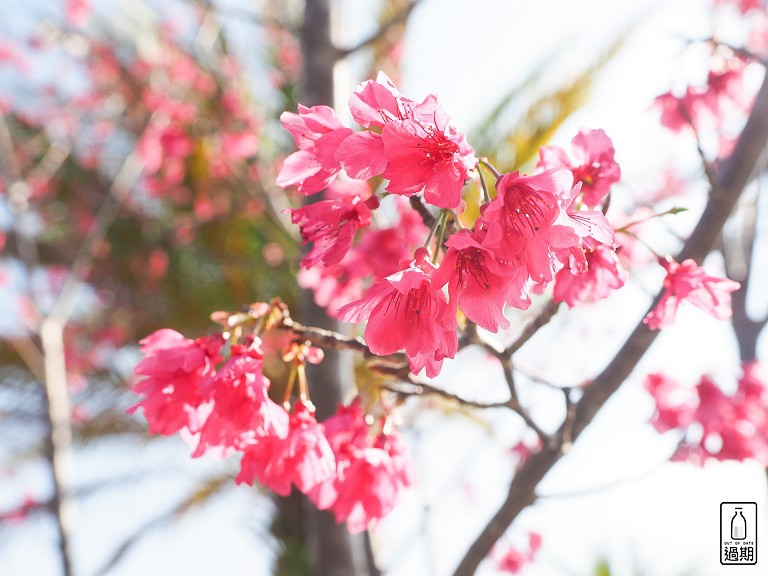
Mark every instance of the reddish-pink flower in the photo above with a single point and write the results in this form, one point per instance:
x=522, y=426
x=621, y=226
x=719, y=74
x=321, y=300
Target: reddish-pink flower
x=512, y=560
x=477, y=282
x=675, y=403
x=527, y=219
x=239, y=410
x=603, y=274
x=376, y=102
x=417, y=150
x=302, y=457
x=379, y=254
x=370, y=481
x=76, y=12
x=430, y=156
x=728, y=427
x=405, y=310
x=317, y=133
x=594, y=165
x=331, y=225
x=689, y=282
x=170, y=379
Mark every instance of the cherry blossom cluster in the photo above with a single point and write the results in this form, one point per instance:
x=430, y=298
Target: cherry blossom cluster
x=213, y=391
x=538, y=229
x=411, y=281
x=512, y=559
x=714, y=424
x=711, y=106
x=689, y=282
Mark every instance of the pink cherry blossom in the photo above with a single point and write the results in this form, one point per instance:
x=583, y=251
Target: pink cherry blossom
x=603, y=274
x=405, y=310
x=77, y=12
x=511, y=560
x=347, y=433
x=317, y=133
x=715, y=425
x=594, y=165
x=302, y=457
x=170, y=379
x=239, y=410
x=376, y=102
x=379, y=254
x=689, y=282
x=477, y=282
x=418, y=149
x=675, y=403
x=430, y=156
x=331, y=225
x=527, y=219
x=369, y=483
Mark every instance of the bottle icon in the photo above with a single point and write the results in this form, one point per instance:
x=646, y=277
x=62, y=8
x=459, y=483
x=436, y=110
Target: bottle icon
x=738, y=525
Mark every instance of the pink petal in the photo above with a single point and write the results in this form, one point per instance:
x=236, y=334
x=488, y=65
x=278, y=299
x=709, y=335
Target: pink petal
x=362, y=155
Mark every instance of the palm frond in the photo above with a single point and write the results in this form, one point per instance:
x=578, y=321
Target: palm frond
x=511, y=149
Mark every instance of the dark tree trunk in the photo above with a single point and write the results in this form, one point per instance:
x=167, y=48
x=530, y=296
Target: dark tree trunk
x=332, y=551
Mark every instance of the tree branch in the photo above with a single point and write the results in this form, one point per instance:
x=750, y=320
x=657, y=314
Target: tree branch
x=545, y=315
x=427, y=217
x=738, y=252
x=328, y=339
x=400, y=18
x=735, y=172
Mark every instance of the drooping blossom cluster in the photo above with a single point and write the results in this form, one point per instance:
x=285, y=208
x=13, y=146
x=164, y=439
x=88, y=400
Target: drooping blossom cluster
x=410, y=281
x=714, y=424
x=215, y=394
x=538, y=229
x=689, y=282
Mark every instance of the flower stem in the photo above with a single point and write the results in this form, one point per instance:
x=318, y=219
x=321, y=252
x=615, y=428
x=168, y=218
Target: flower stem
x=289, y=389
x=303, y=390
x=641, y=241
x=673, y=210
x=491, y=167
x=443, y=221
x=433, y=229
x=456, y=220
x=486, y=194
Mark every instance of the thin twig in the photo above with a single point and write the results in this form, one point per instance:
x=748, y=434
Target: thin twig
x=326, y=338
x=427, y=217
x=734, y=174
x=421, y=389
x=545, y=315
x=400, y=18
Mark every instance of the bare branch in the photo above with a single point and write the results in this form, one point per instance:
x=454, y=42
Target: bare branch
x=427, y=217
x=734, y=174
x=421, y=388
x=738, y=252
x=326, y=338
x=546, y=314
